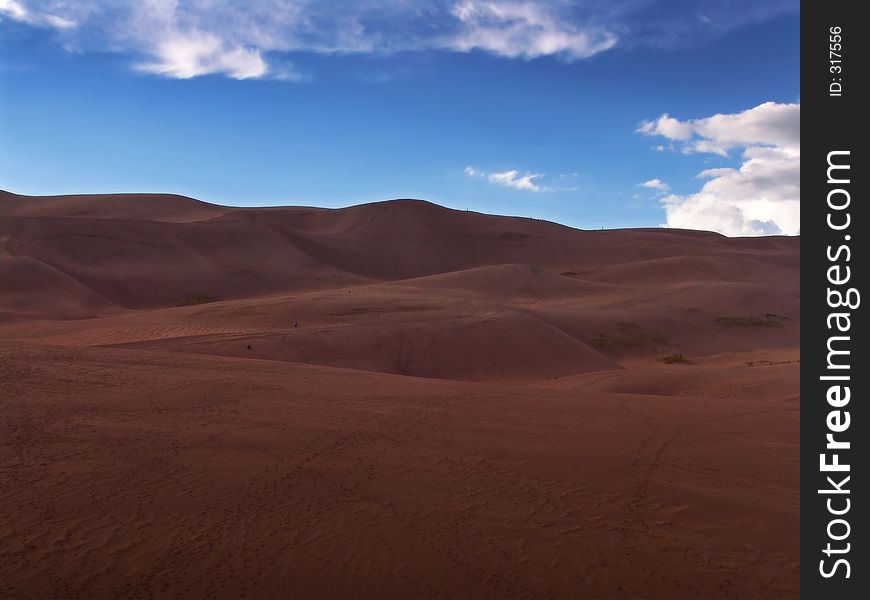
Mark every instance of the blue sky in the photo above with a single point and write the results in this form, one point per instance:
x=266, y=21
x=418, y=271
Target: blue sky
x=558, y=110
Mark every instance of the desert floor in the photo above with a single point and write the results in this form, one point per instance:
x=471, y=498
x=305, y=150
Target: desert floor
x=393, y=400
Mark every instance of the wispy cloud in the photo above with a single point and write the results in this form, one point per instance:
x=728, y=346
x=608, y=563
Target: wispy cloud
x=762, y=195
x=524, y=30
x=527, y=181
x=656, y=184
x=236, y=39
x=511, y=178
x=17, y=11
x=13, y=9
x=245, y=40
x=194, y=54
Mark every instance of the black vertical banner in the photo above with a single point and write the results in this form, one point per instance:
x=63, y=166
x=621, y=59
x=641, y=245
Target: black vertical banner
x=834, y=223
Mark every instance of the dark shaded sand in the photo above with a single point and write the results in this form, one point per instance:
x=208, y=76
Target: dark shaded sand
x=393, y=400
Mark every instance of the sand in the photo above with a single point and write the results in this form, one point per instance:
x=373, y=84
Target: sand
x=393, y=400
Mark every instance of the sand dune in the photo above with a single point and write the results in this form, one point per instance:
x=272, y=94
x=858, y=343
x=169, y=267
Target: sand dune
x=147, y=207
x=391, y=400
x=137, y=261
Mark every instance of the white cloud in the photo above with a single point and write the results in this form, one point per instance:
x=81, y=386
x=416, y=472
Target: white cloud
x=59, y=22
x=767, y=124
x=667, y=126
x=762, y=195
x=251, y=32
x=525, y=30
x=656, y=184
x=194, y=54
x=512, y=178
x=245, y=39
x=15, y=10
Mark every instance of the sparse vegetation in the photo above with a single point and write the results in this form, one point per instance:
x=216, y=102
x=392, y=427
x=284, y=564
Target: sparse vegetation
x=764, y=320
x=675, y=359
x=601, y=341
x=629, y=335
x=197, y=299
x=757, y=363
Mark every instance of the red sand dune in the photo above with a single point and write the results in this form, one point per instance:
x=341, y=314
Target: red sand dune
x=391, y=400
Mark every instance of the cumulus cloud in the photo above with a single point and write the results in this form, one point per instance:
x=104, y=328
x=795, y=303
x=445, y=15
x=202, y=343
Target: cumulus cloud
x=769, y=124
x=762, y=195
x=668, y=127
